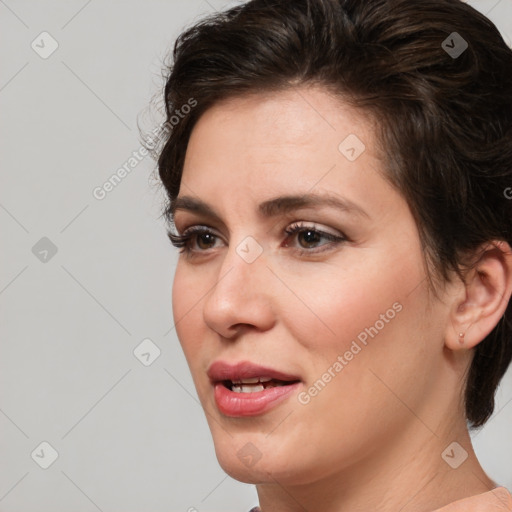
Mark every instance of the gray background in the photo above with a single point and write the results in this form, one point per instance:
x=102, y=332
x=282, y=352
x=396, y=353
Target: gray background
x=129, y=437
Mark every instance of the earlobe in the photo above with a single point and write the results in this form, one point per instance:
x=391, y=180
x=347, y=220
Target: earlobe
x=483, y=299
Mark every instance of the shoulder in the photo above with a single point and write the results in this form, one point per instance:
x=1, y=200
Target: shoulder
x=255, y=509
x=497, y=500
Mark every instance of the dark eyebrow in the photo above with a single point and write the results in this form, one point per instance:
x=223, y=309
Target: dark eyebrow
x=272, y=207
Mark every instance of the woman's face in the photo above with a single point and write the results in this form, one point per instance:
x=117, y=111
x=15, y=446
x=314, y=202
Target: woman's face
x=347, y=318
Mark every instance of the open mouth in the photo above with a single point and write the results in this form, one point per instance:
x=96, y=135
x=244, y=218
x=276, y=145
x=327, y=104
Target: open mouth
x=255, y=384
x=245, y=388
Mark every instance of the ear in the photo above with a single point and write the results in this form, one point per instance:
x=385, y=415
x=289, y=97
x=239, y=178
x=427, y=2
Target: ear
x=483, y=298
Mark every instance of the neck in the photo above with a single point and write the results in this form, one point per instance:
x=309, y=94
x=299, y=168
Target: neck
x=407, y=474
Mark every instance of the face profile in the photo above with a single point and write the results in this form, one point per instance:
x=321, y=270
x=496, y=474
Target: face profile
x=330, y=340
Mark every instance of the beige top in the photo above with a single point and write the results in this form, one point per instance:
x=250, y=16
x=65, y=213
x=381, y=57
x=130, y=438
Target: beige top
x=497, y=500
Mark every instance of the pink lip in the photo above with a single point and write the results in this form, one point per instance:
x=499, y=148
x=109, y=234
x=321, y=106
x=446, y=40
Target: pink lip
x=221, y=370
x=250, y=404
x=234, y=404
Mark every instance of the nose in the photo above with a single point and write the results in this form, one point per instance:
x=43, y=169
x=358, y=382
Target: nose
x=241, y=297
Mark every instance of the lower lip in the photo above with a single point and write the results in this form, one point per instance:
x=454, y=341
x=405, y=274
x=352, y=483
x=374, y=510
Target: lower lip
x=250, y=404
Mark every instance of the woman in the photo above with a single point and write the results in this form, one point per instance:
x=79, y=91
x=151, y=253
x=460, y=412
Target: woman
x=336, y=172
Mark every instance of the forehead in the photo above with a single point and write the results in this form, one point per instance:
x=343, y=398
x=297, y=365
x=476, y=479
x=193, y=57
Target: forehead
x=245, y=151
x=290, y=116
x=295, y=130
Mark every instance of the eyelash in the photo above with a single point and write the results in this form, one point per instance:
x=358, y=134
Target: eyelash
x=184, y=242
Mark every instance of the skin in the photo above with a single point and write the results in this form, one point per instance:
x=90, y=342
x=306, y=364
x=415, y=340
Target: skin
x=372, y=439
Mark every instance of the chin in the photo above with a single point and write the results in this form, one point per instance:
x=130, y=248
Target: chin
x=242, y=460
x=243, y=474
x=259, y=473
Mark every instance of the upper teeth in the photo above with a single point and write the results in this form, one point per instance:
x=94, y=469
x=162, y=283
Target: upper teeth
x=253, y=385
x=253, y=380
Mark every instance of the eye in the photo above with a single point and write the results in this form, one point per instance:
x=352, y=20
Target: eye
x=309, y=236
x=201, y=235
x=199, y=239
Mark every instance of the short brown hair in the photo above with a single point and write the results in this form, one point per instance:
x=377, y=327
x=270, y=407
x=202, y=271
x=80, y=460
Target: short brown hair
x=436, y=75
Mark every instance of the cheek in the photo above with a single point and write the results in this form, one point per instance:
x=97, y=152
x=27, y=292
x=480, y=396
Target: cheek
x=365, y=326
x=349, y=302
x=364, y=392
x=377, y=357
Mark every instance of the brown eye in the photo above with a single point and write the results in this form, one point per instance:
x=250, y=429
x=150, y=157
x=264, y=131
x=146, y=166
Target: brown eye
x=308, y=238
x=194, y=240
x=207, y=239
